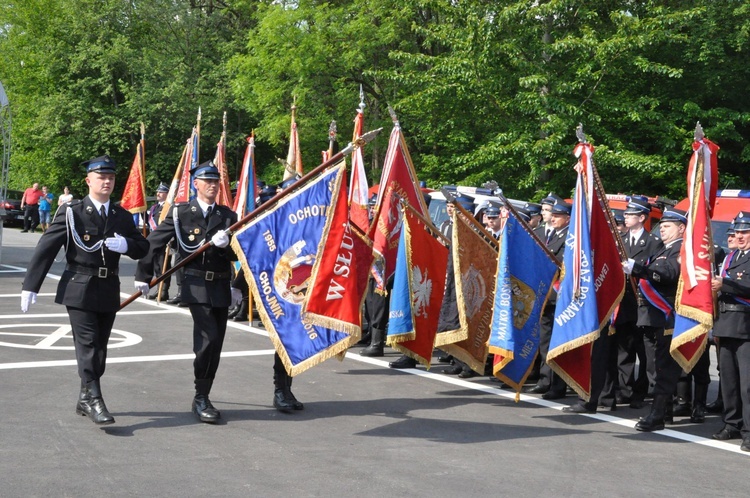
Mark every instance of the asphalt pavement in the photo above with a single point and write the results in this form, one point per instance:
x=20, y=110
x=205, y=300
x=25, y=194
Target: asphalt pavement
x=366, y=431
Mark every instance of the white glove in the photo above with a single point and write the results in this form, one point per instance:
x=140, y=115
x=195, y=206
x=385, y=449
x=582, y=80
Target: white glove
x=236, y=297
x=220, y=239
x=27, y=299
x=141, y=287
x=627, y=266
x=118, y=243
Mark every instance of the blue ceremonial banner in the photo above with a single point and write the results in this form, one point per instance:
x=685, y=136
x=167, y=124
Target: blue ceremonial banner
x=576, y=324
x=400, y=323
x=525, y=274
x=278, y=250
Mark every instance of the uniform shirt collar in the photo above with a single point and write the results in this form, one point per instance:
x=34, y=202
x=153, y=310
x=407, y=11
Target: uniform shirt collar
x=98, y=205
x=204, y=206
x=637, y=234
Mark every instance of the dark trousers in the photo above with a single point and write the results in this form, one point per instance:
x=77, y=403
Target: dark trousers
x=735, y=382
x=31, y=217
x=632, y=379
x=91, y=331
x=603, y=371
x=376, y=307
x=547, y=377
x=209, y=329
x=649, y=347
x=668, y=371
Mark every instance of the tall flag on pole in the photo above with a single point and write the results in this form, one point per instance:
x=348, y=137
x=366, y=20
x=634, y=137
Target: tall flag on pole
x=247, y=185
x=610, y=279
x=339, y=277
x=225, y=193
x=694, y=303
x=588, y=278
x=358, y=205
x=397, y=182
x=293, y=163
x=134, y=195
x=474, y=269
x=179, y=189
x=277, y=251
x=417, y=289
x=525, y=273
x=185, y=186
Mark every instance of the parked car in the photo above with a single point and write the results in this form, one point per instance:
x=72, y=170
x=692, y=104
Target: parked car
x=10, y=208
x=728, y=203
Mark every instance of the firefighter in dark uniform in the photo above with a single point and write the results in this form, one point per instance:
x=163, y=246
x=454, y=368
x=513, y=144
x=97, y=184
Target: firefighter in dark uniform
x=732, y=330
x=205, y=287
x=658, y=284
x=550, y=385
x=154, y=213
x=95, y=232
x=634, y=341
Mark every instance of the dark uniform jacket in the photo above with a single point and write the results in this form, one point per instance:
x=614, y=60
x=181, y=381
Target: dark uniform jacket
x=90, y=280
x=663, y=271
x=734, y=317
x=557, y=247
x=206, y=278
x=646, y=246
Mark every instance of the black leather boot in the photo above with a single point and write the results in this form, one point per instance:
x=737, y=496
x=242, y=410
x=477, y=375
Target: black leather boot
x=366, y=338
x=654, y=421
x=698, y=416
x=403, y=362
x=377, y=343
x=297, y=404
x=281, y=399
x=682, y=403
x=91, y=404
x=241, y=315
x=202, y=408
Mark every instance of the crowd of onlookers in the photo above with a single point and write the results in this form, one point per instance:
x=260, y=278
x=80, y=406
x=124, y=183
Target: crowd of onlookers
x=37, y=204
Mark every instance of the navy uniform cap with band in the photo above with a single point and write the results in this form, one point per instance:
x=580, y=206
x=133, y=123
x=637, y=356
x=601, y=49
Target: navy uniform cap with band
x=162, y=188
x=730, y=230
x=742, y=222
x=637, y=204
x=561, y=207
x=492, y=212
x=524, y=214
x=289, y=182
x=206, y=171
x=551, y=199
x=533, y=209
x=101, y=164
x=619, y=219
x=266, y=193
x=675, y=215
x=372, y=200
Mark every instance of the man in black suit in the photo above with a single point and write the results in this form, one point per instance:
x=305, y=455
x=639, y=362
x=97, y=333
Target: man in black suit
x=205, y=286
x=95, y=233
x=658, y=283
x=634, y=341
x=732, y=330
x=550, y=385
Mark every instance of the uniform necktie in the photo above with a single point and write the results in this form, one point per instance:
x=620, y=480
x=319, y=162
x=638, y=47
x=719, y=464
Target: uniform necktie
x=103, y=213
x=208, y=213
x=496, y=235
x=632, y=241
x=549, y=235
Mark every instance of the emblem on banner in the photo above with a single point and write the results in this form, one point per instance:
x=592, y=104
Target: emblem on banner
x=523, y=302
x=474, y=290
x=422, y=292
x=292, y=275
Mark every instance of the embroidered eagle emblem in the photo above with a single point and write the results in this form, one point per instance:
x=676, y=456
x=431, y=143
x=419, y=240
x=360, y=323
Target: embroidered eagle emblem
x=421, y=290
